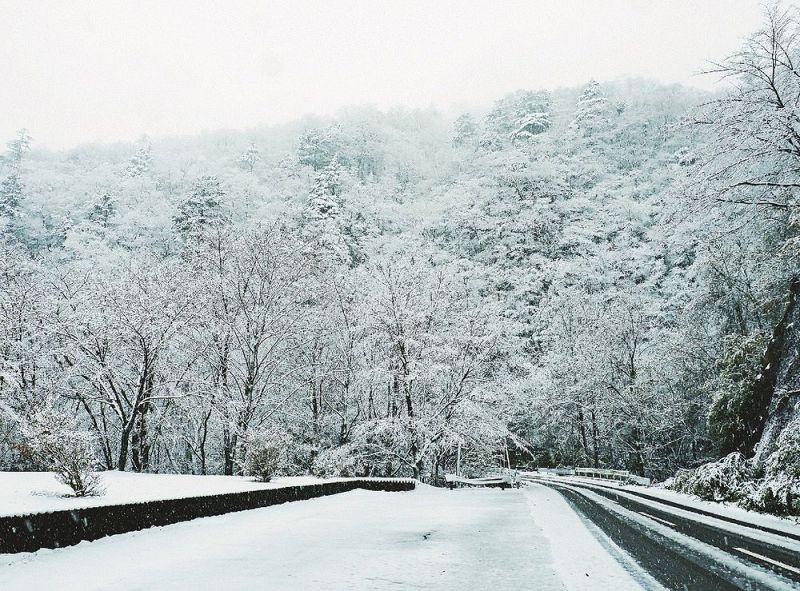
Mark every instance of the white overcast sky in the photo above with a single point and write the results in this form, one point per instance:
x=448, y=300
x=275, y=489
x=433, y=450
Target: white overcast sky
x=78, y=71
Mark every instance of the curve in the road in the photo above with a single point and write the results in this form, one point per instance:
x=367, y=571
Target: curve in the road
x=678, y=565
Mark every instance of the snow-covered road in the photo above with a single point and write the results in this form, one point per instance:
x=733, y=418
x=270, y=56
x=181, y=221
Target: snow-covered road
x=685, y=549
x=427, y=539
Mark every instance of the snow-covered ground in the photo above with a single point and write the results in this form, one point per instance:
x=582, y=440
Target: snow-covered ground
x=33, y=492
x=583, y=556
x=467, y=539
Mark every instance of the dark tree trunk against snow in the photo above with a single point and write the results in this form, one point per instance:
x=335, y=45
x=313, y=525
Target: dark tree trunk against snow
x=582, y=428
x=777, y=390
x=228, y=447
x=140, y=445
x=204, y=439
x=102, y=433
x=124, y=441
x=595, y=442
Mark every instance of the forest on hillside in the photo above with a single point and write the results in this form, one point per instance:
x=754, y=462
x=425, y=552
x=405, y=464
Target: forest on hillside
x=600, y=276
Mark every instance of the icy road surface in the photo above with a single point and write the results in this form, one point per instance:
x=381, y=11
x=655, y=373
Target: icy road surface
x=468, y=539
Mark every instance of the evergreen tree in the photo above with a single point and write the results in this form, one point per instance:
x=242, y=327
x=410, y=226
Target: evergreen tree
x=103, y=210
x=321, y=218
x=10, y=196
x=19, y=146
x=322, y=202
x=141, y=161
x=204, y=207
x=465, y=130
x=511, y=113
x=531, y=125
x=249, y=158
x=10, y=202
x=591, y=112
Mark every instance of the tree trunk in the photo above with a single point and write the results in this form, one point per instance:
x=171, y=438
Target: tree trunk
x=595, y=443
x=228, y=449
x=140, y=446
x=203, y=439
x=314, y=421
x=123, y=445
x=582, y=429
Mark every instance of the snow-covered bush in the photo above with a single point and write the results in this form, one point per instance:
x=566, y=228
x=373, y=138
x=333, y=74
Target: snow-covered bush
x=680, y=481
x=724, y=480
x=735, y=479
x=779, y=496
x=779, y=491
x=263, y=457
x=57, y=444
x=786, y=457
x=336, y=462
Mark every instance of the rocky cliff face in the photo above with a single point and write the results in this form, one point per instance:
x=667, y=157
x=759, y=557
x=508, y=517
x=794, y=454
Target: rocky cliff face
x=778, y=388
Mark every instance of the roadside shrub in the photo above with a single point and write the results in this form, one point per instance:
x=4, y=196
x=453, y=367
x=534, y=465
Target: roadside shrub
x=680, y=481
x=778, y=496
x=56, y=444
x=724, y=480
x=263, y=458
x=735, y=479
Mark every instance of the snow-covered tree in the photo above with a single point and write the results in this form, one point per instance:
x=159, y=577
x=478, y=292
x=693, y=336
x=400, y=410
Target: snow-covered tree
x=10, y=197
x=18, y=147
x=203, y=209
x=531, y=125
x=465, y=129
x=103, y=210
x=141, y=161
x=591, y=111
x=249, y=157
x=511, y=113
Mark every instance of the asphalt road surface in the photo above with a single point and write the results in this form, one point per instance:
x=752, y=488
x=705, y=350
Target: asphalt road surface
x=684, y=551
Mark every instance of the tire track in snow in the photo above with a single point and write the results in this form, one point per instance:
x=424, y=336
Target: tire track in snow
x=679, y=555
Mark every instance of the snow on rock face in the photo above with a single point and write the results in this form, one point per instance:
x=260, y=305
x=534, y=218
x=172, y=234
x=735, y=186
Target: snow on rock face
x=784, y=406
x=469, y=539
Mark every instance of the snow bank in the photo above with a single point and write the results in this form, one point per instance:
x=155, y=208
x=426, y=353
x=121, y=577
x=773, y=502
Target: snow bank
x=583, y=556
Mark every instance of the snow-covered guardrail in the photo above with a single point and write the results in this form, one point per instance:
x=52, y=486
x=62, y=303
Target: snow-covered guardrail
x=557, y=471
x=622, y=475
x=26, y=533
x=504, y=481
x=600, y=473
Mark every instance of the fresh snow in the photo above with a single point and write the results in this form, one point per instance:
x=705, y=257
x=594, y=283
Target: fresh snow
x=467, y=539
x=35, y=492
x=583, y=556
